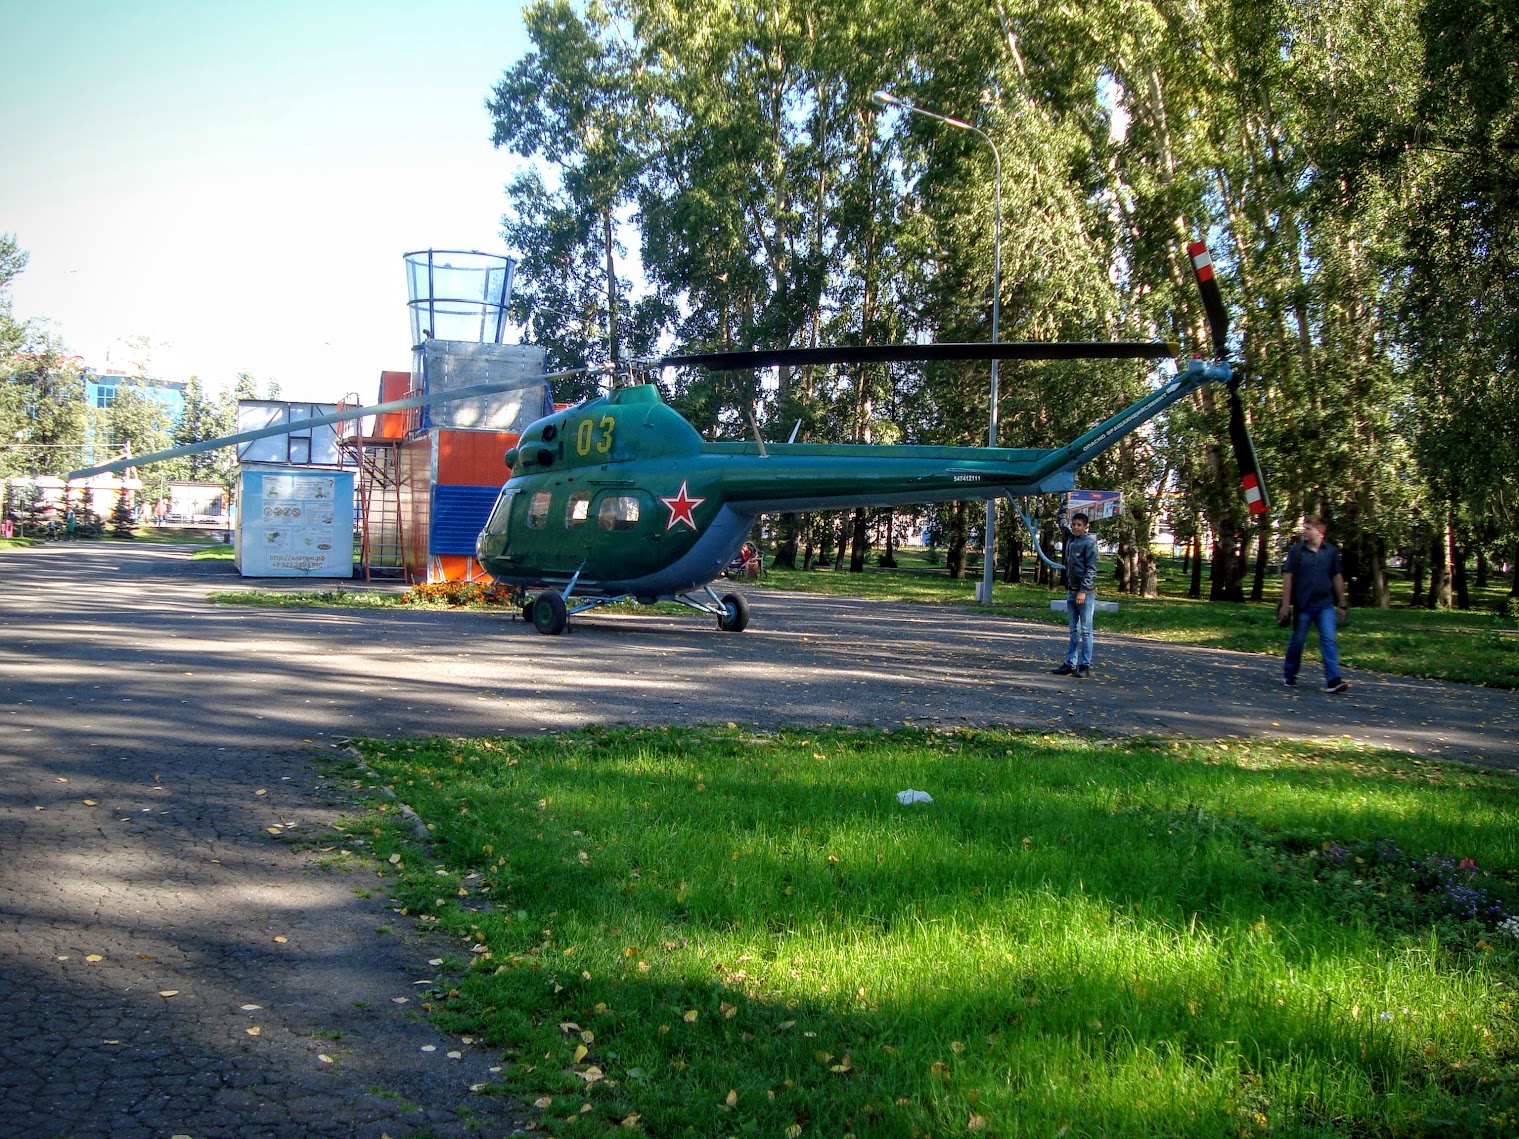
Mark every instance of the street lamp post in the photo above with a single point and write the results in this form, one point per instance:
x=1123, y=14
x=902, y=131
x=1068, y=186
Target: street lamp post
x=887, y=99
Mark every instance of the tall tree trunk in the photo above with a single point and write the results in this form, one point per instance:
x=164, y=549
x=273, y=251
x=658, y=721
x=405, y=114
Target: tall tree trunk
x=1149, y=573
x=838, y=555
x=954, y=553
x=860, y=548
x=890, y=561
x=1012, y=571
x=824, y=525
x=1417, y=570
x=1195, y=589
x=1513, y=573
x=1262, y=551
x=1226, y=584
x=785, y=551
x=1461, y=595
x=1439, y=572
x=1381, y=596
x=606, y=233
x=1481, y=582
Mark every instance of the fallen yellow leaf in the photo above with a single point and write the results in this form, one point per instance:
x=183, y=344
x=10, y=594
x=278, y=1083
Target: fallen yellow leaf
x=89, y=802
x=254, y=1031
x=168, y=992
x=543, y=1101
x=280, y=939
x=324, y=1058
x=580, y=1053
x=690, y=1017
x=261, y=791
x=731, y=1098
x=93, y=957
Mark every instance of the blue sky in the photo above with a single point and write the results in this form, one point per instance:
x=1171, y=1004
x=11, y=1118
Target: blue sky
x=238, y=182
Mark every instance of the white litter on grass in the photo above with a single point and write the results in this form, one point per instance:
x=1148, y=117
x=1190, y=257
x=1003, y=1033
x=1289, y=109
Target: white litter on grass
x=909, y=797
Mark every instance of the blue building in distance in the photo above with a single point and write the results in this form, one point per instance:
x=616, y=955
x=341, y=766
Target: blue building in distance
x=102, y=388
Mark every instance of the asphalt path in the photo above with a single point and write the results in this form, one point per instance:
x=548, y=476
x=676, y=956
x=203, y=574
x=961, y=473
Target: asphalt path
x=152, y=743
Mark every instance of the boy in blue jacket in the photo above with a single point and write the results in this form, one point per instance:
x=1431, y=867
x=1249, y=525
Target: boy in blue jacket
x=1081, y=595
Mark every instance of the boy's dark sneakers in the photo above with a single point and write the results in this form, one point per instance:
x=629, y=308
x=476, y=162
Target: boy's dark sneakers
x=1083, y=673
x=1336, y=686
x=1063, y=670
x=1290, y=681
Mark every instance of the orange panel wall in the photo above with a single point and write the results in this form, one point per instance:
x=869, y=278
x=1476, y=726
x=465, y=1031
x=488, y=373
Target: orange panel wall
x=473, y=458
x=393, y=424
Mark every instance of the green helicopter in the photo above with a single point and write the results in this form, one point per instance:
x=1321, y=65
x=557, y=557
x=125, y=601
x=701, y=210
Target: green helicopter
x=619, y=498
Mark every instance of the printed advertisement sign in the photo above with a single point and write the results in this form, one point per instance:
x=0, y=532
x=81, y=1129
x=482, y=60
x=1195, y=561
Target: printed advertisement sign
x=296, y=524
x=1095, y=504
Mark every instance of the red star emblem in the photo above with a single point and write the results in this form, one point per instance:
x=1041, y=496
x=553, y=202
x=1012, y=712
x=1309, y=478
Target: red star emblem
x=681, y=506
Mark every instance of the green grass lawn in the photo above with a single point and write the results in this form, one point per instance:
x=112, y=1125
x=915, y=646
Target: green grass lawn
x=721, y=932
x=1476, y=646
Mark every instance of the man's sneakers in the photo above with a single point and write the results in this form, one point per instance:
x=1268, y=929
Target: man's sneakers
x=1083, y=673
x=1336, y=686
x=1290, y=681
x=1063, y=670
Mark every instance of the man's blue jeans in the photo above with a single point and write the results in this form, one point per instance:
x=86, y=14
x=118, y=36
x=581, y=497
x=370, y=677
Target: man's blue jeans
x=1079, y=655
x=1328, y=649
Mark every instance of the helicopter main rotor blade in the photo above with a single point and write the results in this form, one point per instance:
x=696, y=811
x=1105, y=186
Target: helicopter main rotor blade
x=905, y=353
x=1213, y=301
x=352, y=413
x=1251, y=478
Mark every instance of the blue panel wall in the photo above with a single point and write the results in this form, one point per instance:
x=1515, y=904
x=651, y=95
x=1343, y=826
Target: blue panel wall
x=458, y=516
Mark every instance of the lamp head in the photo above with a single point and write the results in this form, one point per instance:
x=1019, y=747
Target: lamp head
x=887, y=99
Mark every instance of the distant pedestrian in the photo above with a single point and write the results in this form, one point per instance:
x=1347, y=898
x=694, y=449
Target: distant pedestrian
x=160, y=511
x=1081, y=593
x=1313, y=594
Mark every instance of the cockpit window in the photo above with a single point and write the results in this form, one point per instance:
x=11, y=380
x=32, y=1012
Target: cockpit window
x=501, y=512
x=618, y=512
x=577, y=510
x=538, y=510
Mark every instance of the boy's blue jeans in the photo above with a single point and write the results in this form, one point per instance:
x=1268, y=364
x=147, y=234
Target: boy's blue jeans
x=1079, y=655
x=1328, y=649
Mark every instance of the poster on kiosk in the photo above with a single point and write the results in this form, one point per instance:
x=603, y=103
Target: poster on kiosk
x=294, y=522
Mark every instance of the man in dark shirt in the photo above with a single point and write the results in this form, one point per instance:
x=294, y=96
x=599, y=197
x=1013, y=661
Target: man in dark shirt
x=1313, y=592
x=1081, y=595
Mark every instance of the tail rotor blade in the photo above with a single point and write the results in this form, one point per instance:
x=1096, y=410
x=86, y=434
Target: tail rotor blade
x=1213, y=301
x=1251, y=478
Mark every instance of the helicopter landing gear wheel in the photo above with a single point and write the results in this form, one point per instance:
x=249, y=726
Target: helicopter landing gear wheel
x=549, y=614
x=735, y=618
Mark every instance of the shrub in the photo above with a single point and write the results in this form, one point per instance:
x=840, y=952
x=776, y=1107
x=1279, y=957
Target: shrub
x=462, y=593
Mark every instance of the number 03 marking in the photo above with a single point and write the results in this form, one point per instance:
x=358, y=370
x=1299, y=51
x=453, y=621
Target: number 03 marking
x=585, y=436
